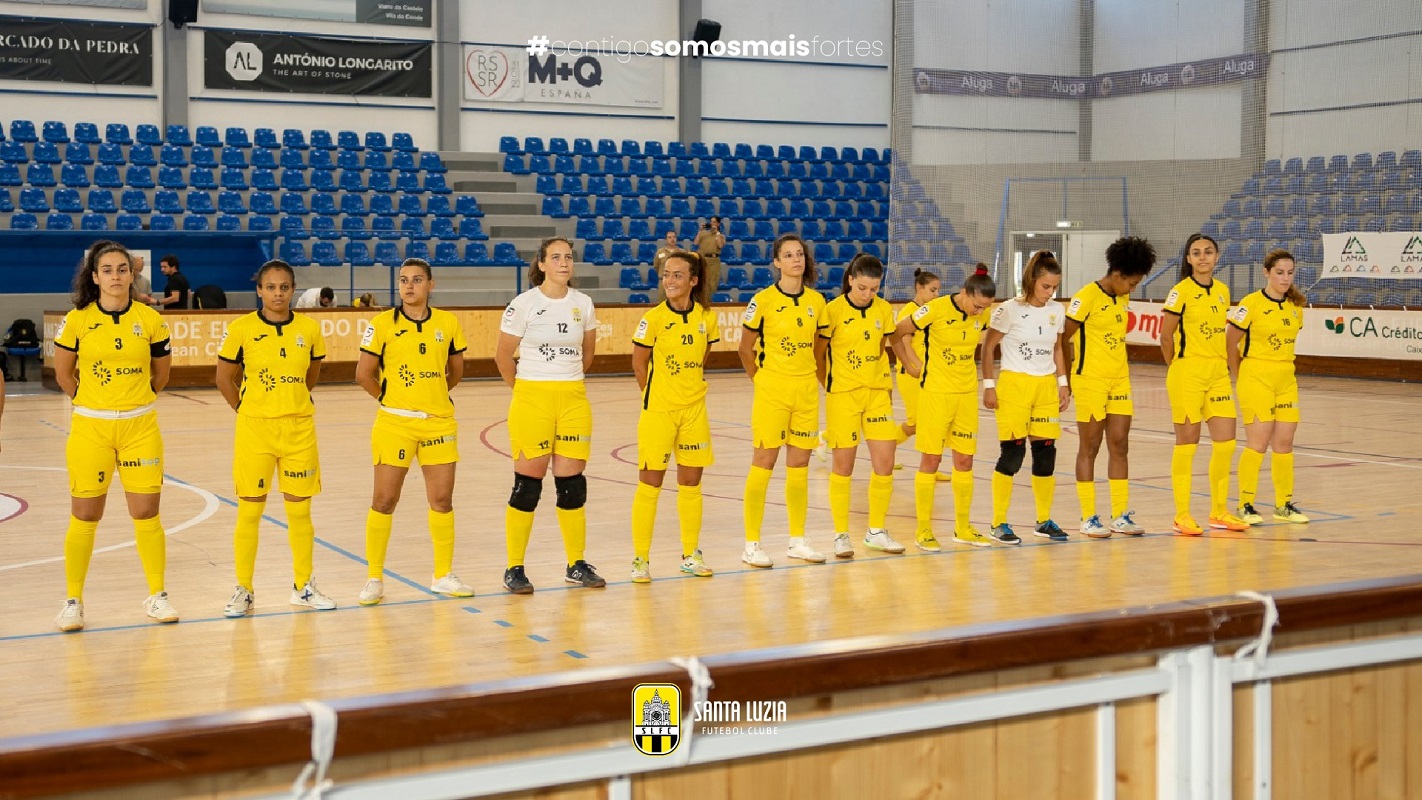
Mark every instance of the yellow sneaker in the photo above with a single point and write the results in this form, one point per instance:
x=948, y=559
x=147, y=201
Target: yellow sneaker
x=1249, y=515
x=1187, y=526
x=1289, y=512
x=1228, y=522
x=927, y=542
x=972, y=537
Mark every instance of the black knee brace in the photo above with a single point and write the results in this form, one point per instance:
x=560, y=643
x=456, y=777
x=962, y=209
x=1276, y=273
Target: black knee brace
x=1044, y=457
x=1010, y=460
x=526, y=492
x=572, y=491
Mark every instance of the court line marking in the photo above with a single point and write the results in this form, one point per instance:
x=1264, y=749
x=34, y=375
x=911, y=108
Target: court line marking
x=210, y=502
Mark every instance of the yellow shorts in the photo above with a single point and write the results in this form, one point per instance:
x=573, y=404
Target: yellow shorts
x=550, y=417
x=908, y=390
x=683, y=431
x=96, y=447
x=947, y=421
x=786, y=410
x=397, y=441
x=869, y=411
x=1199, y=389
x=1268, y=391
x=1097, y=397
x=1028, y=405
x=285, y=444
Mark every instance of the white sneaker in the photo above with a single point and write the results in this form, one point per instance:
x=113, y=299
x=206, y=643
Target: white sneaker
x=373, y=592
x=71, y=617
x=1125, y=524
x=641, y=570
x=843, y=548
x=822, y=449
x=311, y=597
x=240, y=605
x=803, y=551
x=755, y=556
x=159, y=609
x=1092, y=527
x=451, y=586
x=879, y=539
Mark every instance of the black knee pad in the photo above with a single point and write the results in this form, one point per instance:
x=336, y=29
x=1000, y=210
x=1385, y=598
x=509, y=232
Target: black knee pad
x=1044, y=457
x=1010, y=460
x=526, y=492
x=572, y=491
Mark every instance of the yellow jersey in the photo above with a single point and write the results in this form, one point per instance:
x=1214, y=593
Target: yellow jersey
x=678, y=341
x=274, y=357
x=1101, y=342
x=413, y=355
x=115, y=352
x=1271, y=327
x=950, y=342
x=916, y=338
x=1202, y=311
x=786, y=324
x=855, y=358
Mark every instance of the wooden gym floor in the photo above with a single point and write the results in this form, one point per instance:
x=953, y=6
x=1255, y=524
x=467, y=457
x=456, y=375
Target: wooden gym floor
x=1357, y=458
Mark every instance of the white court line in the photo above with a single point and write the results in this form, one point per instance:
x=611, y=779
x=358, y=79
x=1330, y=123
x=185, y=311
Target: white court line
x=210, y=507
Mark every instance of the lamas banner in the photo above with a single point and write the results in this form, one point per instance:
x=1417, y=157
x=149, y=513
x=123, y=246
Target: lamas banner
x=261, y=62
x=1381, y=256
x=96, y=53
x=513, y=75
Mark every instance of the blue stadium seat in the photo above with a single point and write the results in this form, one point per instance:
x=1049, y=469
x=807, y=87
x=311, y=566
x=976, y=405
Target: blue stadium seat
x=324, y=254
x=58, y=222
x=24, y=222
x=508, y=144
x=375, y=140
x=178, y=135
x=111, y=154
x=228, y=223
x=101, y=201
x=357, y=254
x=128, y=222
x=78, y=153
x=293, y=139
x=86, y=132
x=23, y=130
x=94, y=222
x=387, y=254
x=324, y=227
x=67, y=201
x=162, y=222
x=324, y=181
x=380, y=182
x=74, y=176
x=476, y=254
x=321, y=160
x=294, y=253
x=412, y=227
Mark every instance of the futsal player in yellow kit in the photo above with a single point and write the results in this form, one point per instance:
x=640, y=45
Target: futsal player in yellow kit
x=1029, y=394
x=926, y=286
x=947, y=372
x=1262, y=332
x=1192, y=340
x=553, y=329
x=266, y=366
x=410, y=358
x=672, y=343
x=111, y=357
x=1101, y=382
x=854, y=369
x=778, y=352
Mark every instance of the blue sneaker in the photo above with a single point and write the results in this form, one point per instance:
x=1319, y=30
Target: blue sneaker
x=1003, y=533
x=1050, y=530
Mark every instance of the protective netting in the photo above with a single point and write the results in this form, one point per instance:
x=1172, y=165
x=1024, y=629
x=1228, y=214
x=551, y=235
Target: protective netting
x=1023, y=125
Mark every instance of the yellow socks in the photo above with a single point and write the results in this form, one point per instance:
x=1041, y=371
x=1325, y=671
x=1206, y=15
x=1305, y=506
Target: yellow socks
x=839, y=502
x=1182, y=463
x=1043, y=487
x=644, y=518
x=442, y=536
x=1221, y=459
x=518, y=527
x=78, y=549
x=377, y=540
x=924, y=484
x=152, y=551
x=1249, y=463
x=797, y=498
x=688, y=511
x=881, y=491
x=1120, y=496
x=1001, y=497
x=1282, y=466
x=244, y=540
x=1086, y=495
x=573, y=522
x=301, y=535
x=753, y=505
x=962, y=499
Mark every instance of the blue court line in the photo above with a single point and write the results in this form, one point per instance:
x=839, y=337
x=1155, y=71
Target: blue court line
x=472, y=610
x=503, y=623
x=535, y=637
x=574, y=654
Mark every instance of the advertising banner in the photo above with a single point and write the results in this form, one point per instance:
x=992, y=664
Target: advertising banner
x=513, y=75
x=96, y=53
x=1380, y=256
x=1185, y=75
x=415, y=13
x=265, y=62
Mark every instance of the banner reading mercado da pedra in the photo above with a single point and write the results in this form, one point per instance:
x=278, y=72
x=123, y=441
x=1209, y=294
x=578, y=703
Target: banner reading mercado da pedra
x=96, y=53
x=263, y=62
